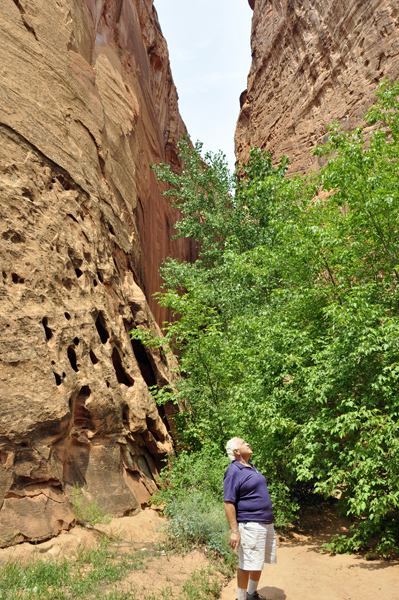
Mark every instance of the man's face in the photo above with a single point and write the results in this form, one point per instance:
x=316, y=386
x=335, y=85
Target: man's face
x=244, y=448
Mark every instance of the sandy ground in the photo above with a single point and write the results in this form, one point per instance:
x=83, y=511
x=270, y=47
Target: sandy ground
x=303, y=573
x=165, y=575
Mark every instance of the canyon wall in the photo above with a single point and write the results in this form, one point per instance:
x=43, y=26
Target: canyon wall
x=313, y=62
x=87, y=101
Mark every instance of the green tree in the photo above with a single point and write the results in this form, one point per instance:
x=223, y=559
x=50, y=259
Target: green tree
x=287, y=326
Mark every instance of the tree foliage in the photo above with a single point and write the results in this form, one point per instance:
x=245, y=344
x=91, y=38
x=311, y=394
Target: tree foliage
x=287, y=325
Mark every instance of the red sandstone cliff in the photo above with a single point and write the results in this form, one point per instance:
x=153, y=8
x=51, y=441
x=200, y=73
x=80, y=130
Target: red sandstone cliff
x=87, y=101
x=313, y=61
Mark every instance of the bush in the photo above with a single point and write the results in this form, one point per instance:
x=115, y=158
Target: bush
x=191, y=487
x=86, y=508
x=198, y=520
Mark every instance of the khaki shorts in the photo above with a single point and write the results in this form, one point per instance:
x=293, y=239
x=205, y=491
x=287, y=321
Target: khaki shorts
x=258, y=546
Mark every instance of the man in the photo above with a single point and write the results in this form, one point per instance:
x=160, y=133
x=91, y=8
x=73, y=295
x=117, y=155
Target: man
x=249, y=513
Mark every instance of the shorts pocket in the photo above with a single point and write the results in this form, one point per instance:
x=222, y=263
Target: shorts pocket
x=248, y=538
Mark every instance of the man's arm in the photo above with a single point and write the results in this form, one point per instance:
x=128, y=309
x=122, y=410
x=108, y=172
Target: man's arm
x=235, y=537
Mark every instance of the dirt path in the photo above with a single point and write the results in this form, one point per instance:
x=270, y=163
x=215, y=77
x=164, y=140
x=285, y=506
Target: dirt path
x=302, y=573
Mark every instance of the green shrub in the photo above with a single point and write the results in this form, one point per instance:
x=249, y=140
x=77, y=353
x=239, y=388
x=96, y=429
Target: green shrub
x=191, y=489
x=86, y=508
x=198, y=519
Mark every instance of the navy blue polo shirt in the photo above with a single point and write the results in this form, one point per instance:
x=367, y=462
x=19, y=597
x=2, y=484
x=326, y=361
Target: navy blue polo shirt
x=247, y=489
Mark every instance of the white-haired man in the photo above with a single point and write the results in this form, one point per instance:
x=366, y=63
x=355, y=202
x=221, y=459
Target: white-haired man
x=249, y=513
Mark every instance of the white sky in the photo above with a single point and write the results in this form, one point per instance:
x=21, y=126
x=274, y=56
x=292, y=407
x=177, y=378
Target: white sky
x=210, y=54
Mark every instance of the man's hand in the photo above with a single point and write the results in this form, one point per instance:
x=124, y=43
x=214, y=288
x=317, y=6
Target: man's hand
x=234, y=541
x=235, y=537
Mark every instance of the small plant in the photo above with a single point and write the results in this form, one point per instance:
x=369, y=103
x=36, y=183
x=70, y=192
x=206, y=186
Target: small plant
x=202, y=585
x=86, y=508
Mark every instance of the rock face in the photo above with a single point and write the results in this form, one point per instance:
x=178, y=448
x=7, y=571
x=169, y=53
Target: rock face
x=87, y=101
x=313, y=62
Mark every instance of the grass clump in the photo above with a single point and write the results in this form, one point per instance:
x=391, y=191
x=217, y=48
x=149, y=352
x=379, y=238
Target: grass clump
x=86, y=508
x=202, y=585
x=64, y=579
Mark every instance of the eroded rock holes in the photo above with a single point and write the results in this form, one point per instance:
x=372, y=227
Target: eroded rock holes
x=14, y=237
x=148, y=375
x=121, y=374
x=72, y=359
x=47, y=330
x=143, y=362
x=17, y=279
x=102, y=328
x=81, y=415
x=126, y=418
x=27, y=193
x=93, y=357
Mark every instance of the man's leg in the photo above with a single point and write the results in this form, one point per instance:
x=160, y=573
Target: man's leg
x=242, y=584
x=251, y=554
x=254, y=577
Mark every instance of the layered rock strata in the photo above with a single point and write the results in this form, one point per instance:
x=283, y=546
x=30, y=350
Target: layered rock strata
x=313, y=62
x=87, y=101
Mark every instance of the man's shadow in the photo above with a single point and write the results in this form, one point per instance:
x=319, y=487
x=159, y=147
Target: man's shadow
x=272, y=593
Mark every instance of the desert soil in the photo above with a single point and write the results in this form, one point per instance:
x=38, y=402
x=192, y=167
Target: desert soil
x=303, y=573
x=165, y=575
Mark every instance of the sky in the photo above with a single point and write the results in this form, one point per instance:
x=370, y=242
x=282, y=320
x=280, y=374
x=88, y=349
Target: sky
x=209, y=45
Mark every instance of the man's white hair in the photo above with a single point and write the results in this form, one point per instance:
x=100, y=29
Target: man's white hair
x=230, y=447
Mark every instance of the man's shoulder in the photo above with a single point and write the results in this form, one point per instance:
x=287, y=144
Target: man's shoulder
x=233, y=470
